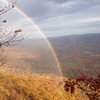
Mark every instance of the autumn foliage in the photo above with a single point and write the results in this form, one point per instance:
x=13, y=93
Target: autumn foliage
x=89, y=85
x=14, y=86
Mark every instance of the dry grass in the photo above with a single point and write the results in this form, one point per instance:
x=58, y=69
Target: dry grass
x=33, y=87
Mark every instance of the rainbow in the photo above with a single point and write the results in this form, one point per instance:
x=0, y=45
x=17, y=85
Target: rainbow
x=41, y=33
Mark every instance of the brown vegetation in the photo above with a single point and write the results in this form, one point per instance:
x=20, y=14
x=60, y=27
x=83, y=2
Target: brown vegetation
x=15, y=86
x=89, y=85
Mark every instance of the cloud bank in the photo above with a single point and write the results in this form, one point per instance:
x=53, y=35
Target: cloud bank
x=63, y=17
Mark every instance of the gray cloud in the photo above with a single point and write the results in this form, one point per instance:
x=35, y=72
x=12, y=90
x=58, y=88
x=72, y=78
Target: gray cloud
x=50, y=8
x=58, y=1
x=62, y=17
x=34, y=8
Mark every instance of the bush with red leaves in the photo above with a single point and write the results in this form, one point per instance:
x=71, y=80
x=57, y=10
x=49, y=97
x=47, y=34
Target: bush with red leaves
x=89, y=85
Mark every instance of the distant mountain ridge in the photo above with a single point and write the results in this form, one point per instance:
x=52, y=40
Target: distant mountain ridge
x=85, y=41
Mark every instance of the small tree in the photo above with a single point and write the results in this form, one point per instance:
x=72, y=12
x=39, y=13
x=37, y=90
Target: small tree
x=8, y=37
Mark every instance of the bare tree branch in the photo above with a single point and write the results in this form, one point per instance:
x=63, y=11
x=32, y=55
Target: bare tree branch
x=3, y=57
x=8, y=37
x=6, y=5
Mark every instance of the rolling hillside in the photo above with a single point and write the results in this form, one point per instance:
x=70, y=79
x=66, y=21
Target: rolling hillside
x=78, y=54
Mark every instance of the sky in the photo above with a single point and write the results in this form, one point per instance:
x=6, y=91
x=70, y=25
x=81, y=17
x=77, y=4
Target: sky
x=57, y=17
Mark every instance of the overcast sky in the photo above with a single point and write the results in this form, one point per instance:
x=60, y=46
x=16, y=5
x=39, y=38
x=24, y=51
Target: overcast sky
x=59, y=17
